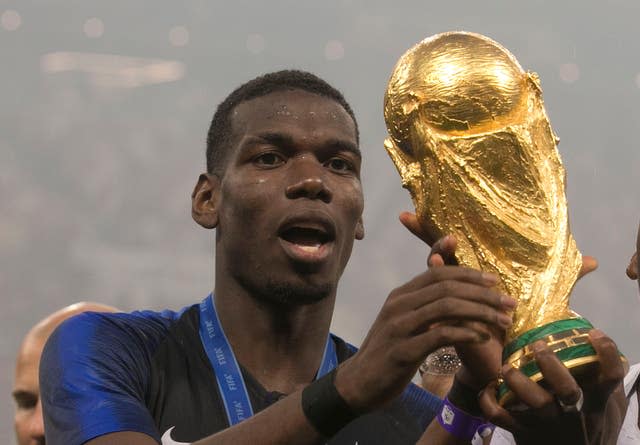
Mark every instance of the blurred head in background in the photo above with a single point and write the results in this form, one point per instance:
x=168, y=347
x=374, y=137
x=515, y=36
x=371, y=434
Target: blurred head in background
x=26, y=389
x=632, y=268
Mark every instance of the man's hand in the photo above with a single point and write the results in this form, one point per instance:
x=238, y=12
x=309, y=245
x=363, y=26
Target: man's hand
x=540, y=416
x=481, y=361
x=418, y=318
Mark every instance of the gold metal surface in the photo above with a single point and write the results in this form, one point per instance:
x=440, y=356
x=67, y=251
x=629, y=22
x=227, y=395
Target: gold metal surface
x=524, y=356
x=472, y=142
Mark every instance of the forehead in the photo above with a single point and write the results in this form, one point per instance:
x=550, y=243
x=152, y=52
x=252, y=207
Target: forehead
x=298, y=112
x=27, y=364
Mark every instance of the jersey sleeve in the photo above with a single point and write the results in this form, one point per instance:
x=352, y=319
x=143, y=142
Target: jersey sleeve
x=421, y=404
x=94, y=372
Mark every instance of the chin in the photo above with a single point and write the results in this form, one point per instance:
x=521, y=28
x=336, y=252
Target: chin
x=292, y=294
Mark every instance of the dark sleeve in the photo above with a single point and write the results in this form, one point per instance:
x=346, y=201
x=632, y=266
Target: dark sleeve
x=93, y=376
x=421, y=404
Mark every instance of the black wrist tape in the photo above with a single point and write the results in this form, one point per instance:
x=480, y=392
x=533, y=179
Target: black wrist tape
x=465, y=398
x=324, y=407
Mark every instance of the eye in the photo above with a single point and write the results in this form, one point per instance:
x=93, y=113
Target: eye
x=269, y=159
x=26, y=401
x=340, y=165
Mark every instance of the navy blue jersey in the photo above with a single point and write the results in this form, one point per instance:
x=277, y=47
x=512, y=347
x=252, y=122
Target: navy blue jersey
x=148, y=372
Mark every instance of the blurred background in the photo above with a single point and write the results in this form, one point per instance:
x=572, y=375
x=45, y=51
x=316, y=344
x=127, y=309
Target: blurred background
x=104, y=108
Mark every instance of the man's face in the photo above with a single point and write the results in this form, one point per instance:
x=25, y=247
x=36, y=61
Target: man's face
x=26, y=393
x=290, y=198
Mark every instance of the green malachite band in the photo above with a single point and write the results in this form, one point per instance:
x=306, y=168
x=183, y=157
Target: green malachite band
x=565, y=355
x=542, y=332
x=531, y=368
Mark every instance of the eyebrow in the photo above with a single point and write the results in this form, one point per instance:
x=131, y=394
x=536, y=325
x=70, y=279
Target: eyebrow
x=287, y=142
x=22, y=394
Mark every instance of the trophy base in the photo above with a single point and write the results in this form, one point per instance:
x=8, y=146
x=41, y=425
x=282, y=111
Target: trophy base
x=569, y=340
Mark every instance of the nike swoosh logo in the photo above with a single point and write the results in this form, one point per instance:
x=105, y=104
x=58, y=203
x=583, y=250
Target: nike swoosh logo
x=168, y=440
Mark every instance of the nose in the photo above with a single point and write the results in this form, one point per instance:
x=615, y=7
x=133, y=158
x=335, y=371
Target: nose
x=36, y=425
x=308, y=181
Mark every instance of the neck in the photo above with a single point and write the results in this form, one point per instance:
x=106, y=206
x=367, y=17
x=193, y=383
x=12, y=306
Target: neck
x=280, y=345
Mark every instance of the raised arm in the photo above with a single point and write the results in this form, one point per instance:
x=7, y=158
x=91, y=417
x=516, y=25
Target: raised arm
x=408, y=327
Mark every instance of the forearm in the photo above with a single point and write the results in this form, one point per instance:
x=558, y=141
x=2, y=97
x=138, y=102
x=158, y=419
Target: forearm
x=282, y=423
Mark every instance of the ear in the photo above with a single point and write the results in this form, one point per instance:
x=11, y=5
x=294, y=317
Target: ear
x=205, y=201
x=359, y=229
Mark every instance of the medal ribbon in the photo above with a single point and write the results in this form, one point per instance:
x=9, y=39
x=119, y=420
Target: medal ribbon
x=225, y=366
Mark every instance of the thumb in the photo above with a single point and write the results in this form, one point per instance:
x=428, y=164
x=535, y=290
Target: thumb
x=589, y=264
x=410, y=221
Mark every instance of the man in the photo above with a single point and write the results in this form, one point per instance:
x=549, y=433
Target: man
x=283, y=192
x=26, y=390
x=630, y=433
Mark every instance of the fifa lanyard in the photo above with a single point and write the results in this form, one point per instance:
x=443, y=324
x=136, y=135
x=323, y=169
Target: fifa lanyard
x=225, y=366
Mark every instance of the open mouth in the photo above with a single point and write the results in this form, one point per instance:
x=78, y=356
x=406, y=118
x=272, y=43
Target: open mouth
x=307, y=241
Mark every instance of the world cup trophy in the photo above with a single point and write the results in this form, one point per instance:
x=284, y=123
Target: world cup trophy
x=470, y=137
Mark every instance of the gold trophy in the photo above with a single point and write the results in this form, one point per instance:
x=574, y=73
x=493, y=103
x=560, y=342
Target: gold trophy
x=472, y=142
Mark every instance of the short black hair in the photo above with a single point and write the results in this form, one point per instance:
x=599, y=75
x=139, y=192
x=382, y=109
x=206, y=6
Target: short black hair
x=219, y=134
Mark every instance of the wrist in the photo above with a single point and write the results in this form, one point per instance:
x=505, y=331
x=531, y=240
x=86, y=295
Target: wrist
x=464, y=397
x=324, y=407
x=466, y=377
x=461, y=424
x=347, y=383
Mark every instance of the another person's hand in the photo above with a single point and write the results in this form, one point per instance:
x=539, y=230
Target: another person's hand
x=561, y=411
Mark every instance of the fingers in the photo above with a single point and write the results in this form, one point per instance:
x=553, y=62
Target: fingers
x=530, y=393
x=435, y=260
x=556, y=375
x=560, y=384
x=458, y=289
x=410, y=352
x=421, y=345
x=452, y=273
x=450, y=300
x=443, y=252
x=456, y=309
x=410, y=221
x=611, y=369
x=493, y=412
x=589, y=264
